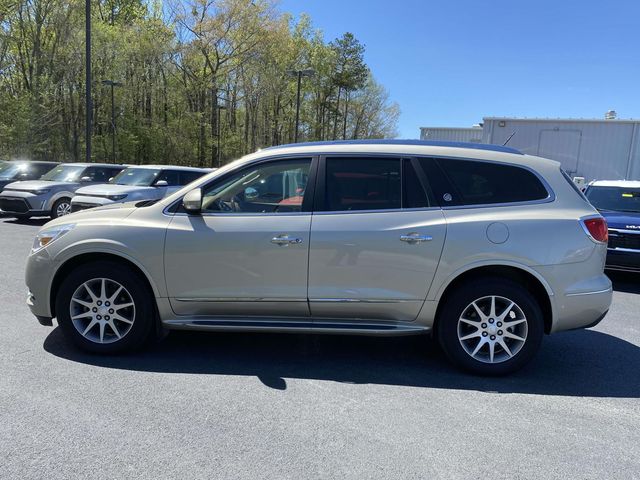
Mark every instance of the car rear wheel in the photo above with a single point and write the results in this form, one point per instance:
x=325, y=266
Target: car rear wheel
x=490, y=326
x=105, y=307
x=61, y=208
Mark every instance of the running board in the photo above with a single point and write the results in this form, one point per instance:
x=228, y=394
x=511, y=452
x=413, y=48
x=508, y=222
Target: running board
x=295, y=326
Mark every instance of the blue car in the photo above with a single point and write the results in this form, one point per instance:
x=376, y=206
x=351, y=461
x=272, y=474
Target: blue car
x=619, y=203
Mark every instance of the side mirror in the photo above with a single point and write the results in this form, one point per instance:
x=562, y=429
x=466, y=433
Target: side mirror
x=192, y=201
x=85, y=179
x=250, y=193
x=162, y=183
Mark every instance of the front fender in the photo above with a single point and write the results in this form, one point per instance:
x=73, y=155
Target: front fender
x=57, y=196
x=106, y=247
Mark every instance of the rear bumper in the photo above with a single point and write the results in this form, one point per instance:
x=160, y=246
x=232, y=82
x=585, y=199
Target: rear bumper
x=581, y=310
x=580, y=298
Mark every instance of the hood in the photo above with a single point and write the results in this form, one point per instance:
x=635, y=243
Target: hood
x=622, y=220
x=112, y=212
x=111, y=189
x=37, y=185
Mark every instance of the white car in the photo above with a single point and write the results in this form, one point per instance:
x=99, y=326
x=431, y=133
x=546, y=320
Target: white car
x=137, y=183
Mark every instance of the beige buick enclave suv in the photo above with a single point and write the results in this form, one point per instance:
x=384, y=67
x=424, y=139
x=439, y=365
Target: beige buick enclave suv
x=484, y=247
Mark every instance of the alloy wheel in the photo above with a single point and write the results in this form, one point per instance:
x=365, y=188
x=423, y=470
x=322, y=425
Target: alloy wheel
x=102, y=310
x=492, y=329
x=63, y=208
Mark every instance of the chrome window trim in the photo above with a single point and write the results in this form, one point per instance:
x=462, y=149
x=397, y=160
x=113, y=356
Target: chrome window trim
x=387, y=210
x=551, y=196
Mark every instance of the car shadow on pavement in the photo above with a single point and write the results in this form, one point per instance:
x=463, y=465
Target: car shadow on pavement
x=580, y=363
x=36, y=222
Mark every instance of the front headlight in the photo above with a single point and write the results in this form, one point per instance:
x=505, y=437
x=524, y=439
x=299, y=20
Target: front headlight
x=115, y=198
x=41, y=191
x=49, y=235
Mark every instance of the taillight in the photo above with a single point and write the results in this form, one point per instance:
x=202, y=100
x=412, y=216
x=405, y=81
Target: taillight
x=596, y=228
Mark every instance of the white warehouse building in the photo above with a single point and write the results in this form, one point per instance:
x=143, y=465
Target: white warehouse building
x=473, y=134
x=593, y=149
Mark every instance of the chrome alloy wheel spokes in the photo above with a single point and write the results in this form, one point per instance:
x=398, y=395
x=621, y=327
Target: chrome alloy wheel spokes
x=102, y=310
x=492, y=329
x=63, y=209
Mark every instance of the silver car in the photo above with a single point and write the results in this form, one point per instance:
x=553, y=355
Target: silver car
x=484, y=247
x=20, y=170
x=136, y=183
x=51, y=195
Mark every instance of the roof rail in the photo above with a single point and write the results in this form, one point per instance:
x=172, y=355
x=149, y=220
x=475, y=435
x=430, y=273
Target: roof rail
x=425, y=143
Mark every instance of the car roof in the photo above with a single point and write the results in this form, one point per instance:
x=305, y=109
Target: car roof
x=46, y=162
x=171, y=167
x=420, y=143
x=85, y=164
x=454, y=150
x=616, y=183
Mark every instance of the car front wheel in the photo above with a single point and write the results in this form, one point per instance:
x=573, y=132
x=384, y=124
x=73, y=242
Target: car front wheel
x=105, y=307
x=61, y=208
x=490, y=326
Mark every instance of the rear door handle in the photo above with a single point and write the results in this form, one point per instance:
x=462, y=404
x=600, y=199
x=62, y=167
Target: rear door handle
x=285, y=240
x=414, y=238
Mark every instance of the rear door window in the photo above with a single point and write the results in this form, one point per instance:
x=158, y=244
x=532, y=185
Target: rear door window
x=479, y=183
x=362, y=183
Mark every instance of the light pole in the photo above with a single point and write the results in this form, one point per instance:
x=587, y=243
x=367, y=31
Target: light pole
x=88, y=106
x=219, y=133
x=113, y=84
x=309, y=72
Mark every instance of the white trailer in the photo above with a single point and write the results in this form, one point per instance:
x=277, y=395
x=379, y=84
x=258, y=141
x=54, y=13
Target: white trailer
x=593, y=149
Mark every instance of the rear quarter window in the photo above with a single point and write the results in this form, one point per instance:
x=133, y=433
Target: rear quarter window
x=479, y=183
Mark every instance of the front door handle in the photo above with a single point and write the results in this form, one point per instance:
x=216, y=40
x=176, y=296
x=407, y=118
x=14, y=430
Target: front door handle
x=285, y=240
x=414, y=238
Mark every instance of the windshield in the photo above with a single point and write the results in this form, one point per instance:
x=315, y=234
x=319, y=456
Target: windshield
x=10, y=170
x=618, y=199
x=136, y=176
x=64, y=173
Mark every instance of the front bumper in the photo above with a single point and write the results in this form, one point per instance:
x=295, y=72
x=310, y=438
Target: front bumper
x=23, y=203
x=38, y=277
x=626, y=260
x=84, y=202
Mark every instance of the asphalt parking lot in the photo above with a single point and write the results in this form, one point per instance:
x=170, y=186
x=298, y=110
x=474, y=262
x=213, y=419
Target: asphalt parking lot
x=300, y=406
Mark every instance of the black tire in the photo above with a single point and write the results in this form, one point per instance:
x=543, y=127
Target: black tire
x=135, y=286
x=56, y=206
x=459, y=303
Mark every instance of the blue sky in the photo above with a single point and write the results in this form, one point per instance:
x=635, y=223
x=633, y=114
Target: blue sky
x=450, y=63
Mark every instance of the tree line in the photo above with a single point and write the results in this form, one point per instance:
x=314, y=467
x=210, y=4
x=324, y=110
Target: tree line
x=191, y=76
